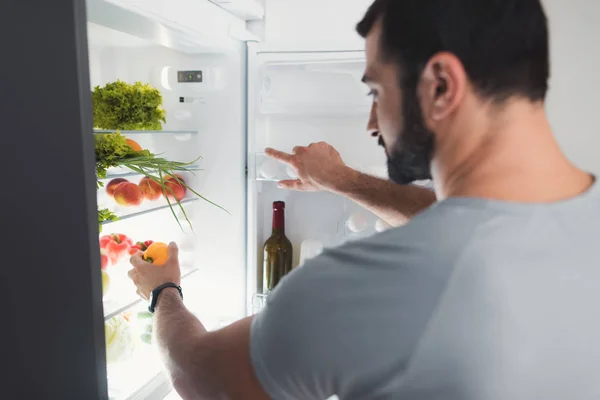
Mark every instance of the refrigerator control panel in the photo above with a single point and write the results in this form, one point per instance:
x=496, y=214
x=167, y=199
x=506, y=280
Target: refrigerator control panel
x=189, y=76
x=183, y=80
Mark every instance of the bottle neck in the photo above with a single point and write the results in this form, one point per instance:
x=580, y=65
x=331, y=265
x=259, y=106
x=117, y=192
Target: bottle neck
x=279, y=221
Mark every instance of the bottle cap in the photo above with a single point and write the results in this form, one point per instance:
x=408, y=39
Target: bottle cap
x=278, y=205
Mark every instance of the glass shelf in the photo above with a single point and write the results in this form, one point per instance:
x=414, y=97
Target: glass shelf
x=126, y=172
x=122, y=295
x=151, y=207
x=123, y=132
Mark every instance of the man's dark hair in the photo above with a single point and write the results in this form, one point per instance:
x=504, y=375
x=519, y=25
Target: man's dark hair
x=502, y=44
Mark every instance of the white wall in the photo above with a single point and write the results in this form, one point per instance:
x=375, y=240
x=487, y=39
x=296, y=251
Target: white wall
x=573, y=102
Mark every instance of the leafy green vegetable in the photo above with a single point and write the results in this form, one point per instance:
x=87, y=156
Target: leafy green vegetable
x=119, y=105
x=105, y=215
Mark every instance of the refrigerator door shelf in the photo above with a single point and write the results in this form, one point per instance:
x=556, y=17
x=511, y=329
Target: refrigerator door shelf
x=268, y=169
x=271, y=170
x=357, y=225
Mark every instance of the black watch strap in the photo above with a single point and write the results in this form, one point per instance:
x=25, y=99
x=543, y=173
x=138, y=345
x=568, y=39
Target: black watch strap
x=156, y=292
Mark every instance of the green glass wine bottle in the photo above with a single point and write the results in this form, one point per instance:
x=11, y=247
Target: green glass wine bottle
x=278, y=251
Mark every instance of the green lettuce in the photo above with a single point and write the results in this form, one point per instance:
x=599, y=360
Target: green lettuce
x=119, y=105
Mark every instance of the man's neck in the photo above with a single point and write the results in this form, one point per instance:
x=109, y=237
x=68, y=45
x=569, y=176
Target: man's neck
x=508, y=154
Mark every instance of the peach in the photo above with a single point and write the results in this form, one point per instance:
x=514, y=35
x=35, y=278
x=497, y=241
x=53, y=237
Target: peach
x=152, y=189
x=175, y=177
x=175, y=189
x=134, y=145
x=129, y=194
x=112, y=185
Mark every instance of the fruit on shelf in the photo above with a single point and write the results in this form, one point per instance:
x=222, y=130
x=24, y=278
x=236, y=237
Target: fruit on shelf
x=112, y=185
x=152, y=189
x=105, y=283
x=157, y=253
x=175, y=188
x=129, y=194
x=104, y=260
x=134, y=145
x=116, y=246
x=119, y=338
x=175, y=177
x=140, y=246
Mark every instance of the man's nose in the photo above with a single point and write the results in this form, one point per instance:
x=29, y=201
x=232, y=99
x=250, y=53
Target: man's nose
x=372, y=126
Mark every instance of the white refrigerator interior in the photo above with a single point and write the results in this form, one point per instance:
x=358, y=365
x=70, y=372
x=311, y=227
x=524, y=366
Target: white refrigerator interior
x=153, y=42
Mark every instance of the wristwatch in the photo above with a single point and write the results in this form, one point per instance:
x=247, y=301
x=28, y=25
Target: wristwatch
x=154, y=294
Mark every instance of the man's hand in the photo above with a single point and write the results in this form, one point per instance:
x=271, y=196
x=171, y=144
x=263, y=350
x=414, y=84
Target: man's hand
x=148, y=277
x=319, y=167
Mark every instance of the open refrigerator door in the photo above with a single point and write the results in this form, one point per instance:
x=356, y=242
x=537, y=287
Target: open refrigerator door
x=193, y=52
x=297, y=97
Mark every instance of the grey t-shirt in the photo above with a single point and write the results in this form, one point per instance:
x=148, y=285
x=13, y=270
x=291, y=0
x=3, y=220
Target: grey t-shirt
x=472, y=300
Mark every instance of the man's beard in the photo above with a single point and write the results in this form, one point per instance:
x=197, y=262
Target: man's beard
x=410, y=159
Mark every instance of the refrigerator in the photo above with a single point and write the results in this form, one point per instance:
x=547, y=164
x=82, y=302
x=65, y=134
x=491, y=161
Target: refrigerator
x=227, y=96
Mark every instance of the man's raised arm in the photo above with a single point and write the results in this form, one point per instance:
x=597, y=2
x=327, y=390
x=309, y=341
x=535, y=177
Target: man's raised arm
x=320, y=168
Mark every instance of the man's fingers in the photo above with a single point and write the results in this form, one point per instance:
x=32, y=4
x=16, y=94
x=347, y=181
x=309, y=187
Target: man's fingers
x=131, y=273
x=173, y=252
x=137, y=262
x=279, y=155
x=298, y=149
x=295, y=184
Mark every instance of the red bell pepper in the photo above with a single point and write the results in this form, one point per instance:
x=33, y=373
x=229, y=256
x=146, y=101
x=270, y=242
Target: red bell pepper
x=140, y=246
x=116, y=246
x=104, y=261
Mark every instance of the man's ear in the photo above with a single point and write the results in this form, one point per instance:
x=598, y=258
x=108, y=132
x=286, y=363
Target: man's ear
x=442, y=87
